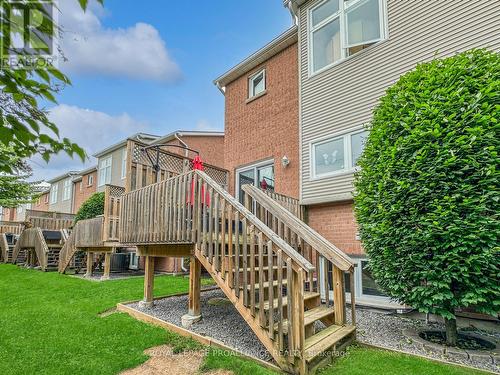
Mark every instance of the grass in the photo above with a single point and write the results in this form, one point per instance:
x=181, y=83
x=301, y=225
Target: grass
x=50, y=324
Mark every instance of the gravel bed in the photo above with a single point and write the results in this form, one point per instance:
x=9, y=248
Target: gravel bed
x=386, y=329
x=96, y=276
x=221, y=321
x=376, y=327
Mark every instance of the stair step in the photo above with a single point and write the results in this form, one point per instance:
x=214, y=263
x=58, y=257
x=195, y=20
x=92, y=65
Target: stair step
x=266, y=284
x=310, y=316
x=307, y=296
x=324, y=340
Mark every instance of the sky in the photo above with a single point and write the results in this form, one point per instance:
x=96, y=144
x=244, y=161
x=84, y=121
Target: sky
x=148, y=66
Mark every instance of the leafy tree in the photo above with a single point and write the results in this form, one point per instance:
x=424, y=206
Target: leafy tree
x=92, y=207
x=24, y=124
x=428, y=193
x=14, y=188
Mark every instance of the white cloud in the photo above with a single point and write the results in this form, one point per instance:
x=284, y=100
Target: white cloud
x=91, y=130
x=136, y=52
x=204, y=125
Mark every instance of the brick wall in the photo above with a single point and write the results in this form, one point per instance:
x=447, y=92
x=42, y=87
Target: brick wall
x=211, y=148
x=164, y=264
x=268, y=126
x=82, y=190
x=337, y=224
x=42, y=204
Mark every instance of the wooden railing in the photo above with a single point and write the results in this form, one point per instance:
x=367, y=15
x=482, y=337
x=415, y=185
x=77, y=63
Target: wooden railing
x=311, y=245
x=11, y=227
x=112, y=198
x=89, y=233
x=32, y=238
x=291, y=204
x=49, y=214
x=262, y=273
x=50, y=223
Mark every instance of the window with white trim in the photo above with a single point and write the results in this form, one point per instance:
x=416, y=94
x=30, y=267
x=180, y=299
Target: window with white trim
x=47, y=198
x=90, y=180
x=260, y=175
x=337, y=154
x=67, y=190
x=105, y=171
x=53, y=193
x=257, y=84
x=341, y=28
x=124, y=163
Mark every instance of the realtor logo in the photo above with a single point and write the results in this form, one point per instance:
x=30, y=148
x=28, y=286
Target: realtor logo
x=28, y=34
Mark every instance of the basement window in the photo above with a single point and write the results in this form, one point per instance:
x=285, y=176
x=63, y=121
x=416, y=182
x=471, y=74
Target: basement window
x=257, y=84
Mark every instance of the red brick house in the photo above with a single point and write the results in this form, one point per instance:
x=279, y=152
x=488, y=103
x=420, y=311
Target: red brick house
x=84, y=186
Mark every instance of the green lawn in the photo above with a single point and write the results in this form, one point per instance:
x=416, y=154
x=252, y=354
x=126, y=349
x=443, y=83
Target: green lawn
x=50, y=324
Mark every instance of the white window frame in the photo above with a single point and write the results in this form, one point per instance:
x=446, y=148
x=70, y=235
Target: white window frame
x=344, y=7
x=251, y=92
x=105, y=171
x=67, y=190
x=124, y=163
x=90, y=180
x=54, y=190
x=47, y=197
x=255, y=167
x=346, y=136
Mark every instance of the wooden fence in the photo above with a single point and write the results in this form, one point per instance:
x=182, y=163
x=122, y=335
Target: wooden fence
x=11, y=227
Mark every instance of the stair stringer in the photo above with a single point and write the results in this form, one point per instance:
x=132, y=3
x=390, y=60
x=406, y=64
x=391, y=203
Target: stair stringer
x=39, y=245
x=4, y=248
x=67, y=253
x=253, y=322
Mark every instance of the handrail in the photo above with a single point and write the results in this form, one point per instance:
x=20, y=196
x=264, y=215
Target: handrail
x=321, y=244
x=278, y=241
x=289, y=203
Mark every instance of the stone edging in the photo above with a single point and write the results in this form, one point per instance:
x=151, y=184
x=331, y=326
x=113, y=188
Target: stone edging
x=492, y=356
x=208, y=341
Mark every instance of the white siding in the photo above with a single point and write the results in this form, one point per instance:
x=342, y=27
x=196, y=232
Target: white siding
x=116, y=168
x=343, y=96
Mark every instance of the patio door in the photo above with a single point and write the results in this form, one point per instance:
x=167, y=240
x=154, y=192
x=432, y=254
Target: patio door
x=260, y=175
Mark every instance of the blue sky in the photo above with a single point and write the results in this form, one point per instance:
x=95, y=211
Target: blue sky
x=149, y=66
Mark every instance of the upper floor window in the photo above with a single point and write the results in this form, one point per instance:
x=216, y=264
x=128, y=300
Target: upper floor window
x=340, y=28
x=67, y=190
x=124, y=163
x=90, y=180
x=105, y=171
x=338, y=153
x=53, y=193
x=257, y=84
x=46, y=198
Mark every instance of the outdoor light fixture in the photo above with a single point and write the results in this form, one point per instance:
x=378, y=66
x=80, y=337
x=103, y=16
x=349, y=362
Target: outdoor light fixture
x=285, y=161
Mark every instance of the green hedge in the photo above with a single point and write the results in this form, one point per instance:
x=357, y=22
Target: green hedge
x=428, y=192
x=92, y=207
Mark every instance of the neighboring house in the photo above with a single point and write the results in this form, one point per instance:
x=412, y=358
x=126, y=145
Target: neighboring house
x=310, y=102
x=61, y=193
x=112, y=161
x=210, y=144
x=84, y=185
x=261, y=141
x=42, y=203
x=350, y=53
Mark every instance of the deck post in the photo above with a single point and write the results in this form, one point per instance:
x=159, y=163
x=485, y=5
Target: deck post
x=107, y=266
x=194, y=312
x=338, y=296
x=149, y=278
x=90, y=264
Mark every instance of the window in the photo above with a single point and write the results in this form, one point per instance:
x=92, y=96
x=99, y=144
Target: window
x=53, y=193
x=257, y=84
x=124, y=163
x=81, y=185
x=19, y=210
x=105, y=171
x=341, y=28
x=47, y=198
x=67, y=190
x=368, y=285
x=90, y=180
x=337, y=154
x=260, y=175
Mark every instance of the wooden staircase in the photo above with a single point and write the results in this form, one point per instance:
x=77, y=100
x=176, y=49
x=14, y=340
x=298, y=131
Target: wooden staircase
x=262, y=256
x=32, y=249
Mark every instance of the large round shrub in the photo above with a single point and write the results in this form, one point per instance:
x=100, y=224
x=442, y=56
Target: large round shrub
x=428, y=192
x=92, y=207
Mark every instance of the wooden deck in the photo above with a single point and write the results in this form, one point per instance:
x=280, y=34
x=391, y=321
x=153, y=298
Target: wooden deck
x=262, y=256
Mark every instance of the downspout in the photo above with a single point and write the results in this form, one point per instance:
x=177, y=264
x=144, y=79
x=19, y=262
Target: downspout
x=178, y=136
